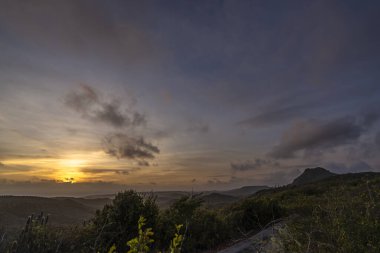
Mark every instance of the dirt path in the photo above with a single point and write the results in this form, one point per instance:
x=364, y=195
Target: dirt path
x=260, y=242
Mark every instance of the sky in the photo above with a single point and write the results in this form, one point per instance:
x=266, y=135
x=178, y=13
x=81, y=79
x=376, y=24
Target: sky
x=101, y=96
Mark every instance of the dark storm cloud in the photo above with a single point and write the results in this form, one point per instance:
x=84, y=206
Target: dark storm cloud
x=250, y=165
x=124, y=146
x=314, y=136
x=89, y=104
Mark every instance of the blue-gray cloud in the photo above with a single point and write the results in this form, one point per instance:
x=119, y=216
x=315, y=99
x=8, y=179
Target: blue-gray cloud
x=315, y=135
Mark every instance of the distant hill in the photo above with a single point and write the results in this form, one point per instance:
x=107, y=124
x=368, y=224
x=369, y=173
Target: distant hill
x=245, y=191
x=166, y=198
x=311, y=175
x=14, y=210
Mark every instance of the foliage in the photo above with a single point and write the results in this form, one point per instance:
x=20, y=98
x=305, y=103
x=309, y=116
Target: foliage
x=116, y=223
x=141, y=243
x=180, y=212
x=254, y=214
x=34, y=237
x=340, y=218
x=176, y=243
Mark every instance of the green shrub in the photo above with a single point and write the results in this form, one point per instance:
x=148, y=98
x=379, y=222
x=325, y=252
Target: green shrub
x=116, y=223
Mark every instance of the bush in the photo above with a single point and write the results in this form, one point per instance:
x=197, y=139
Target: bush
x=254, y=214
x=116, y=223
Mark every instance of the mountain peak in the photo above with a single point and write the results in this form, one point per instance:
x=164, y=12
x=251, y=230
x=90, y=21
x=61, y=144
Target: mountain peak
x=311, y=175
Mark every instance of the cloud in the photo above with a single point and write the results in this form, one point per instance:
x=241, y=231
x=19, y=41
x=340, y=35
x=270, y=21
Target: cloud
x=110, y=114
x=82, y=100
x=54, y=188
x=199, y=127
x=105, y=171
x=250, y=165
x=214, y=181
x=272, y=117
x=377, y=140
x=162, y=134
x=143, y=163
x=92, y=106
x=138, y=119
x=123, y=146
x=15, y=168
x=89, y=104
x=90, y=30
x=355, y=167
x=314, y=136
x=69, y=180
x=370, y=118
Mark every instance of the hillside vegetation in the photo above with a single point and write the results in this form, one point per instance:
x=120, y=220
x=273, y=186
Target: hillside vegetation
x=337, y=214
x=340, y=213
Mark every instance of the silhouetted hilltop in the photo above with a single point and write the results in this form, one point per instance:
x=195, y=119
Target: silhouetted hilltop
x=311, y=175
